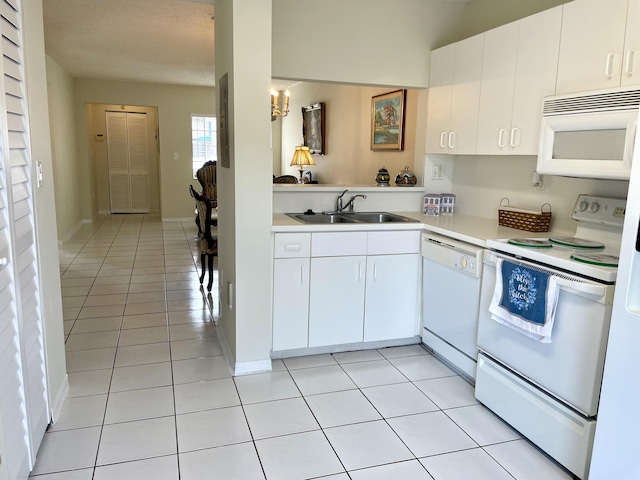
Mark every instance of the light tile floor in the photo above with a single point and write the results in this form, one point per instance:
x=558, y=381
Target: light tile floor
x=151, y=396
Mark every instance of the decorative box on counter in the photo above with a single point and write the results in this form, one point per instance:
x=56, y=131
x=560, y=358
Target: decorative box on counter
x=447, y=203
x=431, y=205
x=436, y=204
x=527, y=219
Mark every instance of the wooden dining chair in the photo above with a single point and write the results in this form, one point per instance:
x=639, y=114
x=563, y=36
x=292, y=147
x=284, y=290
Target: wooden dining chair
x=208, y=245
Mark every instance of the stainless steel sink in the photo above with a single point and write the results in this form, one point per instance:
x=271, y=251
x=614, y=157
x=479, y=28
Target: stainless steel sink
x=378, y=217
x=320, y=218
x=346, y=217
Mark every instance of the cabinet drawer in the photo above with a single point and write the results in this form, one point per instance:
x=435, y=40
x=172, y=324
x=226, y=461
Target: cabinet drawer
x=291, y=245
x=382, y=243
x=336, y=244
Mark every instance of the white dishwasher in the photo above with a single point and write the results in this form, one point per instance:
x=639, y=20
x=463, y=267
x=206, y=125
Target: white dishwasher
x=451, y=281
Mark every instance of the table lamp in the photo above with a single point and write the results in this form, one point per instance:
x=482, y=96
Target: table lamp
x=302, y=158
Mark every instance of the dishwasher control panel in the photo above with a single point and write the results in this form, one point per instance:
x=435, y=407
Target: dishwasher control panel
x=453, y=253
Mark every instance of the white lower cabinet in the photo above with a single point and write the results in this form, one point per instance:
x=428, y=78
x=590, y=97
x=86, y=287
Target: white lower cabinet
x=290, y=303
x=336, y=306
x=391, y=305
x=337, y=288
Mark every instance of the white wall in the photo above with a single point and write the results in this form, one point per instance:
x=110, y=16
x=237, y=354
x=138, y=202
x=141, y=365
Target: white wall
x=175, y=105
x=481, y=182
x=243, y=49
x=366, y=42
x=349, y=159
x=66, y=170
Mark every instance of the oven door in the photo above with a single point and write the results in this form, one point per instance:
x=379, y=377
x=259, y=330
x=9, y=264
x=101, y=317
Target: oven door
x=570, y=367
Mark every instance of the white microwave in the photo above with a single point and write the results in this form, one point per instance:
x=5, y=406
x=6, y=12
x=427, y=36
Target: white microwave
x=589, y=134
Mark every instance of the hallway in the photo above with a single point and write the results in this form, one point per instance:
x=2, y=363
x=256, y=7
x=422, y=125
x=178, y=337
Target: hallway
x=151, y=396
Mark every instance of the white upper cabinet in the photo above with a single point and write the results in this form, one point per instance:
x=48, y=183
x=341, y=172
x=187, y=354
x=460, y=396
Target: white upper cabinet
x=631, y=61
x=592, y=47
x=519, y=69
x=454, y=97
x=439, y=103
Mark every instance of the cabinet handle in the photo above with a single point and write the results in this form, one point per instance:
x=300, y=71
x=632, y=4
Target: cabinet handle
x=375, y=271
x=289, y=247
x=443, y=139
x=302, y=275
x=514, y=141
x=359, y=271
x=452, y=139
x=501, y=144
x=608, y=69
x=628, y=63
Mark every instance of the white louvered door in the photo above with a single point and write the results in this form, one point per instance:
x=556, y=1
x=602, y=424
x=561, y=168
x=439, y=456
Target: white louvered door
x=23, y=393
x=128, y=162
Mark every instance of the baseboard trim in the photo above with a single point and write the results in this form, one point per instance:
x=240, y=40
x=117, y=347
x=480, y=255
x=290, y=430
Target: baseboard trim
x=71, y=233
x=241, y=368
x=177, y=219
x=58, y=401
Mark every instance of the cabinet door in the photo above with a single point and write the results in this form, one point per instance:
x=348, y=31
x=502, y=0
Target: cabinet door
x=538, y=46
x=336, y=306
x=496, y=89
x=391, y=301
x=631, y=65
x=591, y=45
x=465, y=97
x=439, y=103
x=290, y=303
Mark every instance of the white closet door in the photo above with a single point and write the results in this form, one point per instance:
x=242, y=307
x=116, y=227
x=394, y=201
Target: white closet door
x=128, y=162
x=138, y=161
x=23, y=395
x=118, y=157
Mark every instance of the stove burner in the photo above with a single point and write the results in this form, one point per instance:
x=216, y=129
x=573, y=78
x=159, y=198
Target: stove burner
x=596, y=259
x=576, y=242
x=530, y=242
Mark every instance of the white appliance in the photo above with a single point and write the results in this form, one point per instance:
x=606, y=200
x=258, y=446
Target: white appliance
x=550, y=392
x=452, y=273
x=617, y=443
x=589, y=134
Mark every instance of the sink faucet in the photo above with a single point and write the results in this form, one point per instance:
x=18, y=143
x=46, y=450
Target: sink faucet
x=352, y=200
x=339, y=201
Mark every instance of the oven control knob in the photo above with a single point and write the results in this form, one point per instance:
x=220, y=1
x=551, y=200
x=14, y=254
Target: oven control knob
x=464, y=262
x=582, y=206
x=594, y=207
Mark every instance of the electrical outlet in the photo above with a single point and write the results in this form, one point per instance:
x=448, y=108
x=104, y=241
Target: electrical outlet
x=437, y=172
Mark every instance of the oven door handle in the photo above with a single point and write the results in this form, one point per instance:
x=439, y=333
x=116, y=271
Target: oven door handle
x=580, y=287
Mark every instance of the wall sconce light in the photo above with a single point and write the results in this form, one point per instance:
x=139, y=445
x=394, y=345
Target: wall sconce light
x=275, y=108
x=302, y=158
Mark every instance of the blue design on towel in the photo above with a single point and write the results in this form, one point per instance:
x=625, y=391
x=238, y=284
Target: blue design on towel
x=524, y=292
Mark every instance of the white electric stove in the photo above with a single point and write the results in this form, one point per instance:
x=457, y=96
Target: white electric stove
x=594, y=250
x=550, y=392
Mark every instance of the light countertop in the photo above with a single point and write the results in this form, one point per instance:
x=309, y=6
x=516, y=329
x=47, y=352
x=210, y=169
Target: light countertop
x=466, y=228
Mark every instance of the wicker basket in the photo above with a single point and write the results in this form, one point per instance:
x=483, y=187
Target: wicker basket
x=524, y=219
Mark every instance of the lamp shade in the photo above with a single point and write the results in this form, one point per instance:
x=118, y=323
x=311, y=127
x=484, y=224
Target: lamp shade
x=302, y=157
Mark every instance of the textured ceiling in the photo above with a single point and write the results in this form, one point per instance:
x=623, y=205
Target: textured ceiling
x=162, y=41
x=158, y=41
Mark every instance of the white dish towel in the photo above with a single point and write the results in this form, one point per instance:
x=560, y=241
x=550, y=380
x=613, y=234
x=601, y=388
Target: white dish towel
x=525, y=300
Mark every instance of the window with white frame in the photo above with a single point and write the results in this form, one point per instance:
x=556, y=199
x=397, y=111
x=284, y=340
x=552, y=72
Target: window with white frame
x=203, y=140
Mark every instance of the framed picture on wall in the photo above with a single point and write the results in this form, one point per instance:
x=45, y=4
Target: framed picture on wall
x=313, y=128
x=387, y=121
x=223, y=118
